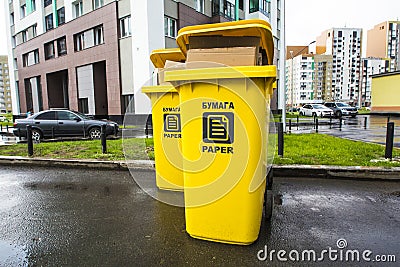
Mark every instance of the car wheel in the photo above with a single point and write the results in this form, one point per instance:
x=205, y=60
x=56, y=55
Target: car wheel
x=338, y=113
x=301, y=113
x=36, y=135
x=95, y=133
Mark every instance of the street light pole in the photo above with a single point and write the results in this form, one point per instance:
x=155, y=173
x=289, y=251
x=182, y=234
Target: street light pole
x=291, y=81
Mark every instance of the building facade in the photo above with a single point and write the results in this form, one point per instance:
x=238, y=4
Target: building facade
x=323, y=78
x=370, y=66
x=5, y=90
x=93, y=55
x=384, y=42
x=344, y=44
x=308, y=79
x=300, y=80
x=385, y=93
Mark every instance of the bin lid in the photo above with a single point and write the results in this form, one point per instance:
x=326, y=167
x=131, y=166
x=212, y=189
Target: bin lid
x=160, y=56
x=248, y=28
x=221, y=73
x=159, y=89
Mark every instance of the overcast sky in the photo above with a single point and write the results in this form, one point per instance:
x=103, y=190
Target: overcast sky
x=306, y=19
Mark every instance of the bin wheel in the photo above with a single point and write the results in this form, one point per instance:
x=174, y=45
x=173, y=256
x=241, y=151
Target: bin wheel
x=270, y=179
x=269, y=205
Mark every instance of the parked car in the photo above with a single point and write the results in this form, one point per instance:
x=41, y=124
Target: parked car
x=342, y=109
x=63, y=123
x=315, y=110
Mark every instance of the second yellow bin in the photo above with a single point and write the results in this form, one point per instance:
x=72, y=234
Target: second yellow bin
x=166, y=124
x=166, y=135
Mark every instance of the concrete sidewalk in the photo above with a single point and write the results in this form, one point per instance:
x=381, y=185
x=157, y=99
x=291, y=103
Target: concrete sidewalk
x=308, y=171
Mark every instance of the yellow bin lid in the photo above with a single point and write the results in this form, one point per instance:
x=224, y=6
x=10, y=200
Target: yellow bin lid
x=248, y=28
x=160, y=56
x=159, y=89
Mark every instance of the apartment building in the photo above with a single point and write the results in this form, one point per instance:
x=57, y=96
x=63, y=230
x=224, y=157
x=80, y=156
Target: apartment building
x=323, y=78
x=300, y=80
x=5, y=91
x=383, y=41
x=369, y=67
x=93, y=55
x=344, y=44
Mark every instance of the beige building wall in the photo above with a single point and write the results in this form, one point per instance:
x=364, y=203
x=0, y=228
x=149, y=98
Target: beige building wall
x=385, y=93
x=377, y=41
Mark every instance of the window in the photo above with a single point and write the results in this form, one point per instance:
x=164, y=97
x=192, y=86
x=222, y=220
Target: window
x=215, y=7
x=265, y=6
x=260, y=5
x=65, y=115
x=340, y=34
x=89, y=38
x=79, y=41
x=253, y=6
x=98, y=3
x=170, y=27
x=98, y=35
x=229, y=10
x=125, y=27
x=49, y=50
x=51, y=115
x=78, y=7
x=83, y=105
x=31, y=58
x=49, y=22
x=62, y=46
x=47, y=2
x=241, y=4
x=34, y=30
x=23, y=11
x=24, y=36
x=128, y=103
x=12, y=18
x=199, y=4
x=33, y=5
x=61, y=16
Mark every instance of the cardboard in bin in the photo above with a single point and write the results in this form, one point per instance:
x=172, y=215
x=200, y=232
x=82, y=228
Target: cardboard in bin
x=231, y=30
x=168, y=64
x=230, y=56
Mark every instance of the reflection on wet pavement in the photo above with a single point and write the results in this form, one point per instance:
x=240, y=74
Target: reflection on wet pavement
x=354, y=128
x=79, y=217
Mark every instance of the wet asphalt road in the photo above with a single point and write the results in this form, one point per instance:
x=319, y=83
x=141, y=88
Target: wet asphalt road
x=73, y=217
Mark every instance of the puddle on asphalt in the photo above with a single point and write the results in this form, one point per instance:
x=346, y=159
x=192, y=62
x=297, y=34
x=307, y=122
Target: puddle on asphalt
x=12, y=255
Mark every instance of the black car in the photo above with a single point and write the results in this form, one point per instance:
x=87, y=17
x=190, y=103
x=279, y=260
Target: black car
x=63, y=123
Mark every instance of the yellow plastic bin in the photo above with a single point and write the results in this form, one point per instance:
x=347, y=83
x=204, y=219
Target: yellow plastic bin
x=224, y=114
x=160, y=56
x=166, y=125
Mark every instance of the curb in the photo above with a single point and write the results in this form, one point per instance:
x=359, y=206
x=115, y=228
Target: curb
x=290, y=171
x=337, y=172
x=77, y=163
